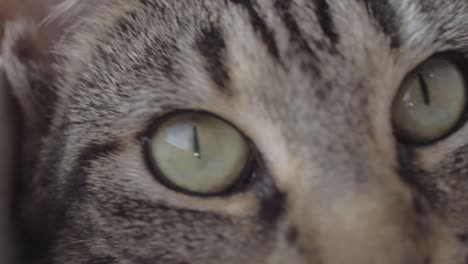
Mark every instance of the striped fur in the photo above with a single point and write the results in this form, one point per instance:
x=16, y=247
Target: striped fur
x=310, y=82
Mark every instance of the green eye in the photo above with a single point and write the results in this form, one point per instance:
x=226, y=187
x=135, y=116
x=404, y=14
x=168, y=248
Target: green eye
x=198, y=153
x=430, y=103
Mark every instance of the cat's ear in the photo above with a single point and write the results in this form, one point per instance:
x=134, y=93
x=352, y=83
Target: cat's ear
x=32, y=29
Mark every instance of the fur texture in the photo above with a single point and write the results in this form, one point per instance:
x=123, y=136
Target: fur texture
x=310, y=82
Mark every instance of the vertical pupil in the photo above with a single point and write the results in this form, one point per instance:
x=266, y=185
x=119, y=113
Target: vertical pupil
x=196, y=142
x=424, y=90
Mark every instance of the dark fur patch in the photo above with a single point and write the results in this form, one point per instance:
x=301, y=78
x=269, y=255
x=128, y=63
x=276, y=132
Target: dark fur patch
x=103, y=260
x=325, y=19
x=76, y=181
x=212, y=47
x=260, y=26
x=463, y=238
x=25, y=49
x=427, y=260
x=420, y=206
x=409, y=174
x=406, y=170
x=272, y=200
x=292, y=235
x=387, y=19
x=296, y=35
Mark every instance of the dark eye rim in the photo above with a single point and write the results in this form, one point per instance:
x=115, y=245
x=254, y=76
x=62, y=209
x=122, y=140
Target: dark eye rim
x=460, y=60
x=239, y=186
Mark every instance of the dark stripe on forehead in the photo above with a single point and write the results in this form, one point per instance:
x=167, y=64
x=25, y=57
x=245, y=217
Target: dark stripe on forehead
x=322, y=9
x=296, y=35
x=260, y=26
x=211, y=45
x=387, y=19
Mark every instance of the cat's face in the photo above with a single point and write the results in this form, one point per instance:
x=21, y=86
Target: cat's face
x=306, y=89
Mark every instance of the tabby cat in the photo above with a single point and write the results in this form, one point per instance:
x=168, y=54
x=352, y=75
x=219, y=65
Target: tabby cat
x=241, y=131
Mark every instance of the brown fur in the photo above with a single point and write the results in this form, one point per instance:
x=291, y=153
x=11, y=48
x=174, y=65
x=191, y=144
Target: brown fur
x=310, y=83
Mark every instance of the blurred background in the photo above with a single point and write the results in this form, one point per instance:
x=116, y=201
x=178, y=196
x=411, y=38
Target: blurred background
x=34, y=11
x=8, y=10
x=7, y=152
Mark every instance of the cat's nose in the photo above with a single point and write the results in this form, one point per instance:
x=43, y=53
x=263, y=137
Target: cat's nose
x=356, y=219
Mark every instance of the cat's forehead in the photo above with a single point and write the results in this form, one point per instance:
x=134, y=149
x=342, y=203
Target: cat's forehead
x=290, y=62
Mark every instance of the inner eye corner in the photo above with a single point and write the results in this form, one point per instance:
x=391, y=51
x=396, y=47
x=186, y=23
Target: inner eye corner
x=241, y=175
x=459, y=63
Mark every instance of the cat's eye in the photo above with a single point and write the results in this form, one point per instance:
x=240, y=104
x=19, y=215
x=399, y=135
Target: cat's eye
x=198, y=153
x=430, y=103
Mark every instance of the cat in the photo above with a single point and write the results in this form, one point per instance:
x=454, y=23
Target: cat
x=302, y=93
